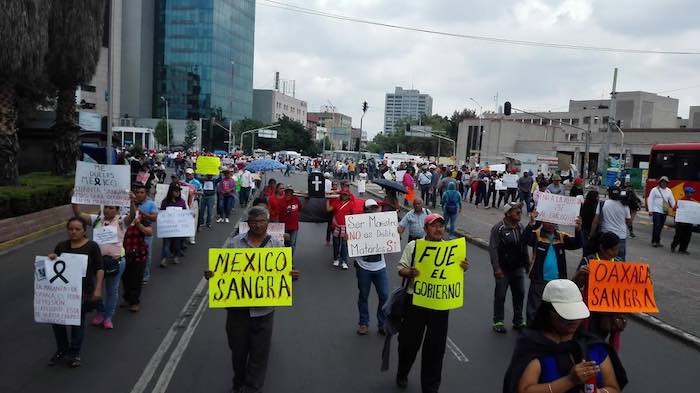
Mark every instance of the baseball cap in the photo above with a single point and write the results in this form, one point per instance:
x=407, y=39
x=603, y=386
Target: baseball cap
x=431, y=218
x=511, y=205
x=663, y=178
x=689, y=190
x=566, y=299
x=371, y=203
x=189, y=171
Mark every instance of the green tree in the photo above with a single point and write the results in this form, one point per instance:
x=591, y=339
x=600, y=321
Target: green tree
x=190, y=135
x=245, y=125
x=457, y=118
x=75, y=39
x=160, y=132
x=23, y=46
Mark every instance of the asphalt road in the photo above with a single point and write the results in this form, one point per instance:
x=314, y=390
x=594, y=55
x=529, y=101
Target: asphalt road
x=176, y=344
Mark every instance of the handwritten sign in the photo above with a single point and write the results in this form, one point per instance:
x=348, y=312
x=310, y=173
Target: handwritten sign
x=274, y=229
x=620, y=287
x=361, y=186
x=97, y=184
x=162, y=191
x=498, y=168
x=208, y=165
x=250, y=277
x=440, y=282
x=510, y=180
x=58, y=289
x=557, y=209
x=106, y=234
x=373, y=233
x=688, y=212
x=175, y=222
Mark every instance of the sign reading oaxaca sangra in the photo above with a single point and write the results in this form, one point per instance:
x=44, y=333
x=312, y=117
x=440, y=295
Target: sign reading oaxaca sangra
x=620, y=287
x=250, y=277
x=440, y=282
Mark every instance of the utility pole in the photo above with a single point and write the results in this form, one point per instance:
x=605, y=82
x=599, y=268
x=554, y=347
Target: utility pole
x=586, y=156
x=364, y=110
x=605, y=148
x=110, y=81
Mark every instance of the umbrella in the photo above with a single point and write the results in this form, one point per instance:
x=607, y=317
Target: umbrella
x=390, y=184
x=264, y=165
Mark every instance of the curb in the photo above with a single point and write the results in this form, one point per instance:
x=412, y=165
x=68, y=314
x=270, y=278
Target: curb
x=10, y=244
x=644, y=318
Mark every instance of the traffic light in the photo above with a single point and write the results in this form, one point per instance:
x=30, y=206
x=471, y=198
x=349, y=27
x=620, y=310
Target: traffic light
x=507, y=108
x=364, y=106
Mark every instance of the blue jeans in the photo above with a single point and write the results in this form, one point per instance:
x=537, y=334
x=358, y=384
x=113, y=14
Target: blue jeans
x=147, y=268
x=659, y=219
x=172, y=247
x=292, y=240
x=229, y=203
x=365, y=279
x=622, y=253
x=451, y=220
x=206, y=204
x=525, y=198
x=111, y=292
x=340, y=249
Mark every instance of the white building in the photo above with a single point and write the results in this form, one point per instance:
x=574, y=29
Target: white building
x=404, y=104
x=271, y=105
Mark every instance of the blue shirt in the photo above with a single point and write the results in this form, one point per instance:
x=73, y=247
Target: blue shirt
x=415, y=223
x=550, y=270
x=148, y=207
x=550, y=370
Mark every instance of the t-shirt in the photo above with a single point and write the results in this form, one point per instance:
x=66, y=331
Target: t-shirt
x=277, y=206
x=340, y=210
x=114, y=249
x=554, y=189
x=371, y=263
x=525, y=184
x=290, y=213
x=148, y=207
x=414, y=222
x=614, y=215
x=550, y=270
x=92, y=250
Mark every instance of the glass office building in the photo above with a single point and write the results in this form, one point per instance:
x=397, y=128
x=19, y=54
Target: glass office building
x=203, y=58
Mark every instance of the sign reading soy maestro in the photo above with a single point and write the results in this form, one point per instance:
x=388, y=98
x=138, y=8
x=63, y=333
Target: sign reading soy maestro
x=440, y=282
x=250, y=277
x=98, y=184
x=372, y=233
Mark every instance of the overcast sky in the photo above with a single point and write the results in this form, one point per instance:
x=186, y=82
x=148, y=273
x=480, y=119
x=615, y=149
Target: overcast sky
x=347, y=63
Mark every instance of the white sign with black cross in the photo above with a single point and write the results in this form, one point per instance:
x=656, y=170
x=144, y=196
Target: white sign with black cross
x=316, y=185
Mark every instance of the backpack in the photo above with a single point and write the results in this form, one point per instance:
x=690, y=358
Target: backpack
x=451, y=206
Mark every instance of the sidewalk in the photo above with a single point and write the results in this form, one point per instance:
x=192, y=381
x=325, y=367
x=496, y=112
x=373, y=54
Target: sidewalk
x=675, y=276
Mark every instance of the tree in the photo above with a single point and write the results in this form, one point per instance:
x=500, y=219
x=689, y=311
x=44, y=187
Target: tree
x=160, y=133
x=24, y=32
x=190, y=135
x=457, y=118
x=75, y=39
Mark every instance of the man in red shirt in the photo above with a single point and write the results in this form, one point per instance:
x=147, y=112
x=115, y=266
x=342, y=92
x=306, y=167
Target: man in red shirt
x=290, y=216
x=340, y=208
x=276, y=203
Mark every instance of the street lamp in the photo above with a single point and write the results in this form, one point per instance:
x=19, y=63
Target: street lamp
x=481, y=132
x=167, y=123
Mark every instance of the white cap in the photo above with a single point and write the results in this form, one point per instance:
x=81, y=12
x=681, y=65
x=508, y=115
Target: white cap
x=566, y=299
x=189, y=171
x=370, y=203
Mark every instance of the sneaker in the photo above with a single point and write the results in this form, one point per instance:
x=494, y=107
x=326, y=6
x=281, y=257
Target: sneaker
x=176, y=260
x=164, y=262
x=226, y=219
x=219, y=220
x=499, y=327
x=684, y=252
x=192, y=242
x=519, y=326
x=144, y=282
x=99, y=318
x=74, y=362
x=56, y=358
x=209, y=226
x=344, y=266
x=336, y=263
x=362, y=330
x=673, y=248
x=108, y=324
x=401, y=381
x=135, y=308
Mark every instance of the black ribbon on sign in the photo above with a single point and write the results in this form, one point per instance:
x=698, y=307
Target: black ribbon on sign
x=59, y=274
x=97, y=181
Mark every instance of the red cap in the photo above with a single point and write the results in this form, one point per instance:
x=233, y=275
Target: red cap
x=432, y=217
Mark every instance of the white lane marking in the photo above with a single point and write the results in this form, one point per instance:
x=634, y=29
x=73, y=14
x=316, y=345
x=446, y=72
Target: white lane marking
x=694, y=274
x=157, y=357
x=456, y=351
x=179, y=351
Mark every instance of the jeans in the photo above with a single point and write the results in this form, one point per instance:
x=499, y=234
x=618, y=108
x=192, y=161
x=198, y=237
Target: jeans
x=491, y=196
x=425, y=193
x=206, y=204
x=60, y=333
x=220, y=205
x=622, y=253
x=172, y=247
x=681, y=238
x=659, y=219
x=525, y=197
x=515, y=279
x=292, y=242
x=111, y=292
x=511, y=193
x=244, y=195
x=249, y=340
x=340, y=249
x=365, y=279
x=450, y=222
x=147, y=266
x=229, y=203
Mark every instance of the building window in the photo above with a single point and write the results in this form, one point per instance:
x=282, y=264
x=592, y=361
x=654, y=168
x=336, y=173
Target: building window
x=587, y=120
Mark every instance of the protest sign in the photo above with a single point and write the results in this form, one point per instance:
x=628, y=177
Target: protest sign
x=440, y=282
x=500, y=186
x=316, y=184
x=557, y=209
x=162, y=191
x=620, y=287
x=688, y=212
x=208, y=165
x=373, y=233
x=106, y=234
x=274, y=229
x=97, y=184
x=361, y=186
x=175, y=222
x=58, y=288
x=142, y=177
x=498, y=168
x=399, y=175
x=510, y=180
x=250, y=277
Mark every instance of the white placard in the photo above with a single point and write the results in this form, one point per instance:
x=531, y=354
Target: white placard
x=500, y=186
x=688, y=212
x=498, y=168
x=175, y=223
x=510, y=180
x=162, y=191
x=399, y=176
x=58, y=288
x=208, y=185
x=106, y=234
x=97, y=184
x=373, y=233
x=274, y=229
x=558, y=209
x=361, y=186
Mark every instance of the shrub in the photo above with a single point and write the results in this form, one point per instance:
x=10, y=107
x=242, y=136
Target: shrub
x=37, y=191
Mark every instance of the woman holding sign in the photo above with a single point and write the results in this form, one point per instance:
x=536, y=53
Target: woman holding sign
x=172, y=246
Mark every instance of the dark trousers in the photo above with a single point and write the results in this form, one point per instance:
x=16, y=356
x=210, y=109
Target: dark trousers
x=534, y=298
x=70, y=347
x=249, y=340
x=244, y=195
x=658, y=219
x=681, y=239
x=481, y=195
x=491, y=197
x=132, y=280
x=511, y=194
x=432, y=196
x=425, y=193
x=501, y=196
x=428, y=327
x=515, y=279
x=525, y=198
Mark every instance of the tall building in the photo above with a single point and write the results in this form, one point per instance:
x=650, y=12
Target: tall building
x=405, y=104
x=271, y=105
x=203, y=58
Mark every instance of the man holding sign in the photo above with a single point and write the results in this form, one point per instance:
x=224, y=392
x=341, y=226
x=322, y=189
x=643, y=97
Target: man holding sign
x=435, y=285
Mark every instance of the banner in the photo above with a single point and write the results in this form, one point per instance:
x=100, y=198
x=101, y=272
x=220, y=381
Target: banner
x=250, y=277
x=316, y=184
x=498, y=168
x=274, y=229
x=97, y=184
x=175, y=222
x=510, y=180
x=688, y=212
x=620, y=287
x=58, y=288
x=557, y=209
x=208, y=165
x=373, y=233
x=440, y=282
x=162, y=191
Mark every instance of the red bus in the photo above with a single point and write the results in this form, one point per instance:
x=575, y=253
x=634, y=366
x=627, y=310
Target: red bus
x=680, y=162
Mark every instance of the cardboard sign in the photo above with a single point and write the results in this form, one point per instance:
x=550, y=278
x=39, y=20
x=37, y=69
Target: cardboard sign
x=440, y=284
x=510, y=180
x=688, y=212
x=58, y=288
x=162, y=191
x=175, y=222
x=208, y=165
x=105, y=235
x=316, y=185
x=498, y=168
x=97, y=184
x=557, y=209
x=250, y=277
x=361, y=186
x=373, y=233
x=620, y=287
x=500, y=186
x=274, y=229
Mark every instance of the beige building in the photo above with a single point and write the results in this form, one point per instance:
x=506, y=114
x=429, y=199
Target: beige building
x=271, y=105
